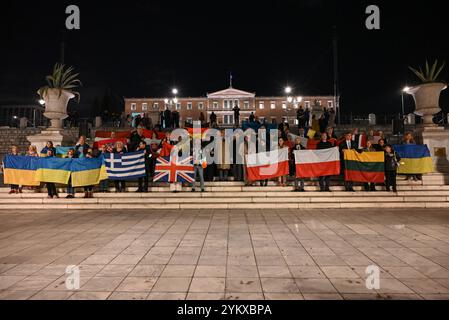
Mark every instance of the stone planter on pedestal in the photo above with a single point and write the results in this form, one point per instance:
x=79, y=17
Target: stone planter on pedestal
x=426, y=98
x=56, y=110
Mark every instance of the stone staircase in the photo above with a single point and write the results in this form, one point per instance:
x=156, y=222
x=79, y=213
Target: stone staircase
x=429, y=193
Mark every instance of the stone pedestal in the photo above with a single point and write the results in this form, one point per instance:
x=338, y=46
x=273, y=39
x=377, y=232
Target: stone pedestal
x=437, y=139
x=58, y=137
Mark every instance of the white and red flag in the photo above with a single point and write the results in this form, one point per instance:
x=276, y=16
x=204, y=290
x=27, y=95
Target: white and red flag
x=267, y=165
x=317, y=163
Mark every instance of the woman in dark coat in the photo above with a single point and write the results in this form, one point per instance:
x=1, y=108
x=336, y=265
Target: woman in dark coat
x=391, y=166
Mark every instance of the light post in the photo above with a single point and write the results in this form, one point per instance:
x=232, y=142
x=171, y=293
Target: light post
x=42, y=103
x=404, y=90
x=171, y=101
x=290, y=99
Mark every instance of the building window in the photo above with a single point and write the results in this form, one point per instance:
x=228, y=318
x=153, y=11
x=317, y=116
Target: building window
x=236, y=103
x=178, y=106
x=228, y=119
x=261, y=105
x=215, y=105
x=330, y=104
x=284, y=105
x=156, y=106
x=189, y=120
x=273, y=105
x=189, y=105
x=307, y=104
x=200, y=105
x=273, y=120
x=144, y=106
x=133, y=107
x=246, y=104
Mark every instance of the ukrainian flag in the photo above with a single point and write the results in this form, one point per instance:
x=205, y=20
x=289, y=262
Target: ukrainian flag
x=20, y=170
x=87, y=171
x=61, y=152
x=54, y=170
x=364, y=167
x=415, y=159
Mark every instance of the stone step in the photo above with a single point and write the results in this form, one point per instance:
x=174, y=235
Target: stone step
x=199, y=206
x=218, y=200
x=256, y=194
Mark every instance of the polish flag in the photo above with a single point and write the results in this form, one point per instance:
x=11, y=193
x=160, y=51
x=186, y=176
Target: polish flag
x=317, y=163
x=267, y=165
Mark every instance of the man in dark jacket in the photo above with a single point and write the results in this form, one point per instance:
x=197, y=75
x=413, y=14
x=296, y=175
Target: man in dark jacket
x=324, y=144
x=167, y=118
x=143, y=182
x=347, y=144
x=136, y=137
x=236, y=110
x=300, y=117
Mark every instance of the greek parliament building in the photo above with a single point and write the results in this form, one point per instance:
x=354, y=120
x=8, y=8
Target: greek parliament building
x=270, y=108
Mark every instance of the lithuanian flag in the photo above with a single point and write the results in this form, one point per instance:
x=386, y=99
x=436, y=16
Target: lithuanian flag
x=415, y=158
x=364, y=167
x=20, y=170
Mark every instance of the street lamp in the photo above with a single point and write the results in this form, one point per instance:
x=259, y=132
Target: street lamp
x=404, y=90
x=290, y=99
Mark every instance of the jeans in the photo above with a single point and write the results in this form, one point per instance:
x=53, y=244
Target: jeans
x=325, y=183
x=51, y=188
x=198, y=170
x=349, y=185
x=371, y=186
x=104, y=185
x=120, y=185
x=70, y=189
x=390, y=180
x=238, y=172
x=299, y=184
x=143, y=183
x=223, y=174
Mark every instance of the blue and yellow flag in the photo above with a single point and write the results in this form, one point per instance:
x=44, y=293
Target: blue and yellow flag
x=415, y=158
x=87, y=171
x=61, y=152
x=54, y=170
x=20, y=170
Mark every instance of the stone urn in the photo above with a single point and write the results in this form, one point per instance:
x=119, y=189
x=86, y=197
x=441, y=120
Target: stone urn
x=56, y=106
x=427, y=98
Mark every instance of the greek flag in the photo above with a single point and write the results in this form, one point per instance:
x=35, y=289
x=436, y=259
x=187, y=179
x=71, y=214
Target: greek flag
x=126, y=166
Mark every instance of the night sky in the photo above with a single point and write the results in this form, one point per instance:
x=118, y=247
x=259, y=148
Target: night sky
x=144, y=48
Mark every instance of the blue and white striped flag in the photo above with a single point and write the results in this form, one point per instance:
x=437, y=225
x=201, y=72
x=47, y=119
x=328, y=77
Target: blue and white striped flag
x=125, y=166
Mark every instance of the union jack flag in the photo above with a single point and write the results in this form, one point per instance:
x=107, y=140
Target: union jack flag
x=174, y=169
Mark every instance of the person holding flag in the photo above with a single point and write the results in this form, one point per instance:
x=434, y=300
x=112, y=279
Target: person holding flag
x=347, y=144
x=324, y=144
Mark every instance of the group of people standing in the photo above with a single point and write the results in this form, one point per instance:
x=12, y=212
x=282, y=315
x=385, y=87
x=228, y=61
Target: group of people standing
x=221, y=171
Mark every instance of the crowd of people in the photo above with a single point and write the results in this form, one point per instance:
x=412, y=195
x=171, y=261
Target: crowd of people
x=223, y=171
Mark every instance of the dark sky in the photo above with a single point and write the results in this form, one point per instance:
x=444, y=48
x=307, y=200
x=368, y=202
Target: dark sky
x=143, y=48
